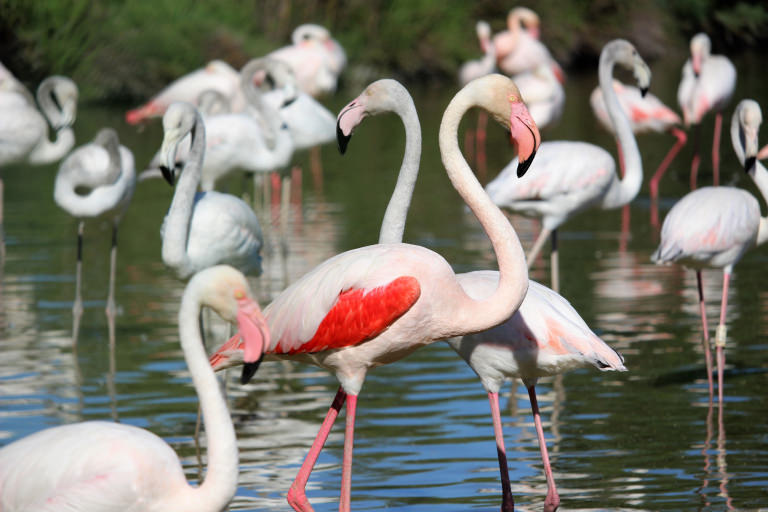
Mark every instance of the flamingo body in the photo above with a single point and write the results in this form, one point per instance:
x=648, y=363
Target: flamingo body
x=543, y=94
x=645, y=113
x=707, y=83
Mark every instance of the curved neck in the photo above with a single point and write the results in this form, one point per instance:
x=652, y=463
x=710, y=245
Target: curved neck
x=220, y=482
x=48, y=107
x=393, y=225
x=514, y=29
x=48, y=151
x=759, y=175
x=476, y=315
x=176, y=232
x=624, y=190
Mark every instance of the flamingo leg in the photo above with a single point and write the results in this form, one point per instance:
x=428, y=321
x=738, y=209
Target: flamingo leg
x=554, y=261
x=482, y=122
x=536, y=249
x=346, y=468
x=654, y=183
x=111, y=309
x=77, y=307
x=507, y=500
x=316, y=166
x=297, y=495
x=720, y=338
x=469, y=146
x=552, y=500
x=696, y=155
x=705, y=339
x=716, y=148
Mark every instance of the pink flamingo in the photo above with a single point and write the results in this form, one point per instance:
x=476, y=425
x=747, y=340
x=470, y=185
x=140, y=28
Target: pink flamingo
x=217, y=75
x=571, y=176
x=713, y=227
x=98, y=466
x=374, y=305
x=518, y=49
x=315, y=57
x=546, y=334
x=708, y=83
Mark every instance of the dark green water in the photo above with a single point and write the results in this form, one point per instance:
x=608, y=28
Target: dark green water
x=642, y=440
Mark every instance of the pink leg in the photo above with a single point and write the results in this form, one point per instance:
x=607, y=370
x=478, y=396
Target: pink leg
x=705, y=339
x=696, y=156
x=553, y=500
x=469, y=146
x=346, y=467
x=621, y=158
x=716, y=148
x=720, y=338
x=482, y=122
x=673, y=151
x=297, y=495
x=316, y=166
x=507, y=501
x=625, y=223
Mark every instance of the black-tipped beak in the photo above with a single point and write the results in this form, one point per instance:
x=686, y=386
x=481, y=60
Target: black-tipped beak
x=342, y=139
x=522, y=167
x=643, y=91
x=249, y=370
x=168, y=174
x=749, y=163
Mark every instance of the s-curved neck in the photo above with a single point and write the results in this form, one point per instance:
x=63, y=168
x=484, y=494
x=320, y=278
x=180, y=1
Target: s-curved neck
x=476, y=315
x=624, y=190
x=393, y=225
x=48, y=151
x=759, y=176
x=220, y=482
x=178, y=220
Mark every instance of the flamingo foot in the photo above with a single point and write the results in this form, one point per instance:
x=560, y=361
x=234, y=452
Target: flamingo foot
x=551, y=502
x=298, y=501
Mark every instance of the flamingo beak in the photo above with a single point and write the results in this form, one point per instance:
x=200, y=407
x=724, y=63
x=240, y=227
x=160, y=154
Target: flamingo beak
x=252, y=327
x=524, y=134
x=349, y=117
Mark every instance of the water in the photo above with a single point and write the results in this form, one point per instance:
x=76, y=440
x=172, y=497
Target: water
x=642, y=440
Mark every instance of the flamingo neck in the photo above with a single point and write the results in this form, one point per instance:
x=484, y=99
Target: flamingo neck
x=178, y=220
x=624, y=190
x=220, y=482
x=393, y=225
x=759, y=176
x=48, y=151
x=476, y=315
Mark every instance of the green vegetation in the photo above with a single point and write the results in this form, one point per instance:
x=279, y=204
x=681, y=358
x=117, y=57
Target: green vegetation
x=124, y=51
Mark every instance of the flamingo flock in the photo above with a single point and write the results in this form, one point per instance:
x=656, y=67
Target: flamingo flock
x=377, y=304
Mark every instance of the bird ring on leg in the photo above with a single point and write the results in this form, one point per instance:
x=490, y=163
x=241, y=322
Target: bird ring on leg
x=720, y=335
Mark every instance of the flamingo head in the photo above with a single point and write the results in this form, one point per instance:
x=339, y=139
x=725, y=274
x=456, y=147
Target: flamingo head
x=747, y=117
x=226, y=291
x=178, y=121
x=64, y=94
x=384, y=95
x=701, y=47
x=624, y=53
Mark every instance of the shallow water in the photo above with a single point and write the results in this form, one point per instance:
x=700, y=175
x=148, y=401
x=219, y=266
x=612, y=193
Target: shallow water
x=646, y=439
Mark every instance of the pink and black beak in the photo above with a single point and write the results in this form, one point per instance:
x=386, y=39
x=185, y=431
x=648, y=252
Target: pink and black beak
x=349, y=117
x=252, y=328
x=524, y=134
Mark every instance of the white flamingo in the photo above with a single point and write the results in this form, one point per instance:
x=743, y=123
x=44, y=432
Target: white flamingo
x=216, y=75
x=98, y=466
x=568, y=177
x=374, y=305
x=543, y=94
x=707, y=84
x=713, y=227
x=96, y=181
x=207, y=228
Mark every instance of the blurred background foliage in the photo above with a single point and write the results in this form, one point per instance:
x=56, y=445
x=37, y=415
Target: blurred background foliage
x=122, y=51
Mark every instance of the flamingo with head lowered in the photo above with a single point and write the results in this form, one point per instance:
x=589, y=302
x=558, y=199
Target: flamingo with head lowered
x=568, y=177
x=98, y=466
x=374, y=305
x=713, y=227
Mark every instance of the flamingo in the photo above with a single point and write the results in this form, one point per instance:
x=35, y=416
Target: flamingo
x=374, y=305
x=475, y=69
x=207, y=228
x=24, y=128
x=519, y=50
x=571, y=176
x=99, y=466
x=543, y=94
x=707, y=84
x=315, y=57
x=211, y=102
x=546, y=336
x=216, y=75
x=713, y=227
x=106, y=170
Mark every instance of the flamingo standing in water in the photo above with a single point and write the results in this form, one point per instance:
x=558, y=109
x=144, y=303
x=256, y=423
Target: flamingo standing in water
x=104, y=169
x=315, y=57
x=98, y=466
x=707, y=84
x=546, y=336
x=216, y=75
x=207, y=228
x=24, y=128
x=713, y=227
x=568, y=177
x=374, y=305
